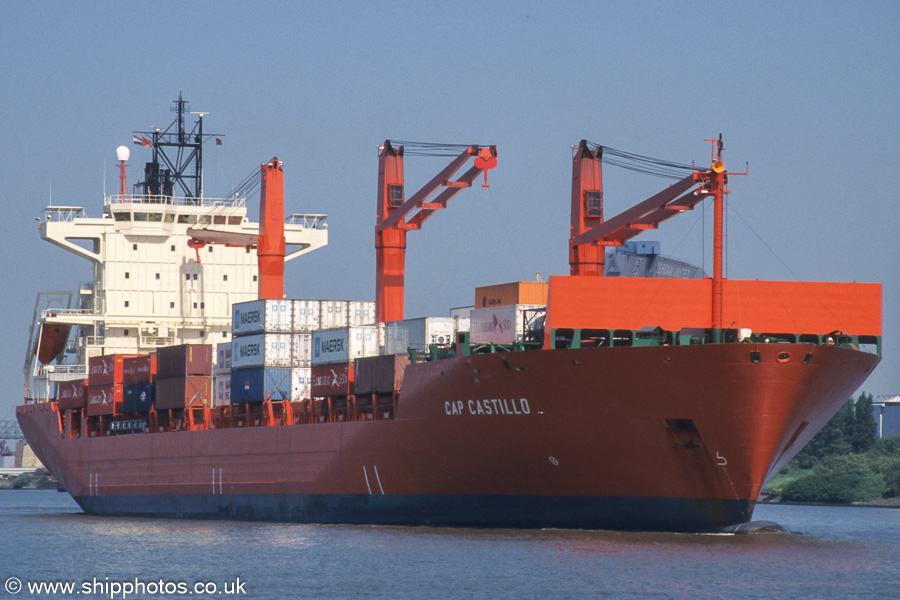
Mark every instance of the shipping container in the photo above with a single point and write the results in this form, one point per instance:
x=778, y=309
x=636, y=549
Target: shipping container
x=505, y=294
x=361, y=312
x=333, y=313
x=106, y=369
x=306, y=315
x=301, y=377
x=260, y=383
x=462, y=324
x=186, y=359
x=505, y=324
x=301, y=349
x=261, y=316
x=261, y=350
x=344, y=344
x=104, y=399
x=223, y=357
x=461, y=312
x=222, y=389
x=138, y=397
x=139, y=369
x=181, y=392
x=399, y=336
x=331, y=380
x=379, y=374
x=72, y=394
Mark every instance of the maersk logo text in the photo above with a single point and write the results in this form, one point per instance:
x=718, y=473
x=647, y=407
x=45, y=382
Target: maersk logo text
x=249, y=350
x=251, y=316
x=333, y=345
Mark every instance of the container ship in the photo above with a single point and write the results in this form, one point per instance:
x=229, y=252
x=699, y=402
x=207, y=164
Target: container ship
x=181, y=383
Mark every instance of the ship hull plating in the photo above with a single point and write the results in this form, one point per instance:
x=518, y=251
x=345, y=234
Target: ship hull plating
x=677, y=438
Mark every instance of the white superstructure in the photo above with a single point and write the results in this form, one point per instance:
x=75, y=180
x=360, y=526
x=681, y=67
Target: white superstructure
x=148, y=289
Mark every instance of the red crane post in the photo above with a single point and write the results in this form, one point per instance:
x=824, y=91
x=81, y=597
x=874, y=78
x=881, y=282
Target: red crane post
x=393, y=209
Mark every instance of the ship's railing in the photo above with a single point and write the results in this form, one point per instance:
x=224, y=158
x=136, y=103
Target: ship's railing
x=232, y=202
x=62, y=214
x=51, y=313
x=91, y=340
x=63, y=369
x=308, y=221
x=155, y=340
x=656, y=336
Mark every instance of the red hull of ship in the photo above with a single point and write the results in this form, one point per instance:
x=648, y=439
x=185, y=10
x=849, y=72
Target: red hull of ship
x=634, y=426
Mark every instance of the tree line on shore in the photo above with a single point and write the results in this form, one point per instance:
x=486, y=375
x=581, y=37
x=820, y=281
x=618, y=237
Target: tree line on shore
x=845, y=462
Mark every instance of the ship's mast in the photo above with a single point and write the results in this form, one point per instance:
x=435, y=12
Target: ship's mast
x=715, y=180
x=177, y=156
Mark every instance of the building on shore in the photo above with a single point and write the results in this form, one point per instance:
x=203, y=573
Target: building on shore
x=886, y=409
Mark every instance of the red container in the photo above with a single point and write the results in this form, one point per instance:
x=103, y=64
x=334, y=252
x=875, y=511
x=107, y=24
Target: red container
x=106, y=369
x=186, y=359
x=181, y=392
x=331, y=380
x=104, y=399
x=384, y=374
x=139, y=369
x=72, y=394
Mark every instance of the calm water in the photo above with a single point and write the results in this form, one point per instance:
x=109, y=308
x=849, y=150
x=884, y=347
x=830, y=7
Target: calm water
x=836, y=553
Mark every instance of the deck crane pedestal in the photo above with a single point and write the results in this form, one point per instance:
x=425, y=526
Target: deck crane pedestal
x=392, y=224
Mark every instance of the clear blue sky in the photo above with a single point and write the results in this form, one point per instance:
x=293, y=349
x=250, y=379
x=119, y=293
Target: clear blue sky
x=807, y=92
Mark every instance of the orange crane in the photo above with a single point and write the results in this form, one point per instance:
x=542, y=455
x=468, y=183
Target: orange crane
x=392, y=224
x=270, y=242
x=590, y=234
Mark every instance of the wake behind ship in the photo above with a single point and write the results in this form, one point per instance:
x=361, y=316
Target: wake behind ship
x=588, y=401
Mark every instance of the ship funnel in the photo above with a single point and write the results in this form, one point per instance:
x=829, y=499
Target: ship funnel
x=123, y=153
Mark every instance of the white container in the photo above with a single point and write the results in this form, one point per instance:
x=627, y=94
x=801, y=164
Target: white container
x=344, y=344
x=261, y=350
x=361, y=313
x=461, y=311
x=462, y=324
x=301, y=349
x=301, y=377
x=502, y=324
x=306, y=315
x=261, y=316
x=399, y=336
x=223, y=357
x=333, y=313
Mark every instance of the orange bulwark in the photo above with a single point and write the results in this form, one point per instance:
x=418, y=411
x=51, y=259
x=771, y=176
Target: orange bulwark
x=673, y=304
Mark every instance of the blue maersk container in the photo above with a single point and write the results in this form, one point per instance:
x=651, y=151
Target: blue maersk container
x=260, y=383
